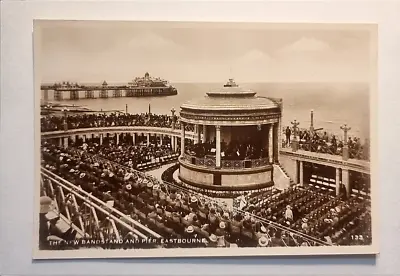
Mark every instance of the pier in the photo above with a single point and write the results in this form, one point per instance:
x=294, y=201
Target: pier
x=140, y=87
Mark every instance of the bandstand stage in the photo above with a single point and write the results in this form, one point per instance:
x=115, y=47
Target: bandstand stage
x=236, y=143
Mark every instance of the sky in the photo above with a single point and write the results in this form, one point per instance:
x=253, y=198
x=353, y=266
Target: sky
x=88, y=52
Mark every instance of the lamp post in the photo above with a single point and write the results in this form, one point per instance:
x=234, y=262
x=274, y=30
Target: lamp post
x=312, y=122
x=295, y=142
x=65, y=110
x=345, y=129
x=173, y=117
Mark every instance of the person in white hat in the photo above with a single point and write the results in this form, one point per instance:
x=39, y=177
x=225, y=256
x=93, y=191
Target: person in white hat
x=45, y=204
x=213, y=241
x=190, y=229
x=128, y=187
x=262, y=232
x=304, y=225
x=127, y=176
x=263, y=241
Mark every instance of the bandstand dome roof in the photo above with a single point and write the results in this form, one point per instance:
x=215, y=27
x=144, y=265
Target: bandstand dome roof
x=231, y=97
x=231, y=105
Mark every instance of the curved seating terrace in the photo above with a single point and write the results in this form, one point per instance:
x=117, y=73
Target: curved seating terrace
x=325, y=159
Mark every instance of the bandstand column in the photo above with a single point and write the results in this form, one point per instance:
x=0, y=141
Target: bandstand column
x=182, y=138
x=337, y=182
x=301, y=174
x=218, y=146
x=65, y=142
x=346, y=182
x=161, y=139
x=175, y=143
x=101, y=138
x=204, y=133
x=198, y=134
x=84, y=138
x=133, y=138
x=172, y=143
x=195, y=131
x=296, y=176
x=117, y=134
x=271, y=143
x=148, y=139
x=60, y=142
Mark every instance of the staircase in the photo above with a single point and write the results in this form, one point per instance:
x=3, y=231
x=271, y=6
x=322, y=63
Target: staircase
x=281, y=175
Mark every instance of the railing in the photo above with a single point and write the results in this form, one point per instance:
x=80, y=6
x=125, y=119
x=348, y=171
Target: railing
x=117, y=129
x=89, y=216
x=329, y=160
x=209, y=162
x=244, y=164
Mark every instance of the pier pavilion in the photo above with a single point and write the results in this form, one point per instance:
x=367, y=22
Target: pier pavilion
x=229, y=116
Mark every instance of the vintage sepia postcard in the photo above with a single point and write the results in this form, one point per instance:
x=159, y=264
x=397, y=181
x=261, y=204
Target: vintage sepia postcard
x=180, y=139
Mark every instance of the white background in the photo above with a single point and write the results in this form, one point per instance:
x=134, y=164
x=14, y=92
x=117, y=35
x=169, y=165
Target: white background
x=17, y=145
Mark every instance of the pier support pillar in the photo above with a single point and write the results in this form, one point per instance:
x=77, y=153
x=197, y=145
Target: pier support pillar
x=161, y=139
x=117, y=134
x=133, y=138
x=84, y=138
x=148, y=139
x=101, y=138
x=218, y=146
x=337, y=182
x=60, y=142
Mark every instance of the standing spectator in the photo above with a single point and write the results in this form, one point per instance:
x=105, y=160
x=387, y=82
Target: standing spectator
x=289, y=213
x=288, y=132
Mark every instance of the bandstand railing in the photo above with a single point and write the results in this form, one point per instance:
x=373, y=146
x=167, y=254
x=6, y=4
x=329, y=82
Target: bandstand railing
x=209, y=162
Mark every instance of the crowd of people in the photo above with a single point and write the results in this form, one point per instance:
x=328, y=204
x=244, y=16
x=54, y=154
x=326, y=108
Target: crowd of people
x=317, y=214
x=323, y=142
x=54, y=123
x=268, y=218
x=171, y=213
x=126, y=153
x=234, y=150
x=311, y=211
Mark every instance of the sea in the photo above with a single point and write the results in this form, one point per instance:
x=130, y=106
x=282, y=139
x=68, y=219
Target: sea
x=333, y=104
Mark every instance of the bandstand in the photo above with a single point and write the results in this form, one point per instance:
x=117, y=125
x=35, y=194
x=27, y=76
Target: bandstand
x=236, y=141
